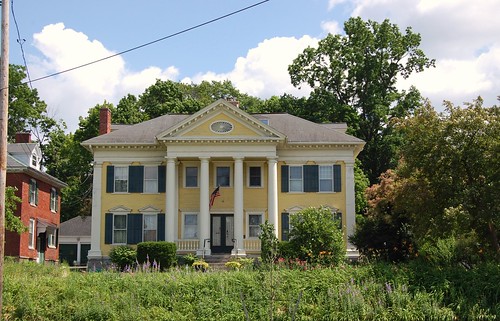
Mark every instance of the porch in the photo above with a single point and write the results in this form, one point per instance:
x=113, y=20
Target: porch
x=184, y=246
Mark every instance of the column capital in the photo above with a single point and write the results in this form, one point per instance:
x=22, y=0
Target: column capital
x=171, y=158
x=96, y=164
x=204, y=158
x=272, y=159
x=238, y=158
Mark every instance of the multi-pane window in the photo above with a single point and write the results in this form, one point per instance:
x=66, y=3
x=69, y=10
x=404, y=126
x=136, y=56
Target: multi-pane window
x=325, y=178
x=223, y=176
x=121, y=179
x=51, y=238
x=119, y=229
x=53, y=200
x=33, y=192
x=296, y=179
x=150, y=179
x=190, y=226
x=191, y=176
x=31, y=232
x=254, y=221
x=255, y=176
x=150, y=227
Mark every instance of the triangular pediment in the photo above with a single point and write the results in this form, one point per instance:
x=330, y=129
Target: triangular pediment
x=221, y=121
x=120, y=209
x=149, y=209
x=294, y=209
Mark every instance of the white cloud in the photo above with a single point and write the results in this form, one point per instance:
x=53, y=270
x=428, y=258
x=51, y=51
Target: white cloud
x=461, y=35
x=70, y=95
x=332, y=27
x=263, y=72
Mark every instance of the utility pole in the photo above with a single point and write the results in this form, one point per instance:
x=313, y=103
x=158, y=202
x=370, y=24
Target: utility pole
x=4, y=120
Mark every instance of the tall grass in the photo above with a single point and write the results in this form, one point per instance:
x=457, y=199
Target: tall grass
x=370, y=292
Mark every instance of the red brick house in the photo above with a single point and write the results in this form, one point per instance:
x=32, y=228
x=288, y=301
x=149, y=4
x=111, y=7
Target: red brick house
x=39, y=209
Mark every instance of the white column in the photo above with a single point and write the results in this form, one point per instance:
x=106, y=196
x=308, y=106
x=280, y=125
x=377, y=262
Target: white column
x=239, y=248
x=350, y=209
x=204, y=215
x=272, y=192
x=170, y=200
x=95, y=239
x=78, y=251
x=176, y=207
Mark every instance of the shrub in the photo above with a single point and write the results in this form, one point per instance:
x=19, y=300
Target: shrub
x=286, y=250
x=200, y=265
x=122, y=256
x=188, y=259
x=164, y=253
x=268, y=242
x=316, y=237
x=233, y=265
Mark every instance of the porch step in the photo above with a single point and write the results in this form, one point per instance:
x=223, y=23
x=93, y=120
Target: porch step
x=218, y=261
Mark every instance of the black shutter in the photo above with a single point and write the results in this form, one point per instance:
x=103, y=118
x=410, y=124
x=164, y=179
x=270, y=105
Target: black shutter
x=36, y=193
x=337, y=178
x=57, y=237
x=311, y=178
x=110, y=179
x=136, y=179
x=134, y=228
x=285, y=226
x=284, y=179
x=162, y=178
x=108, y=229
x=161, y=227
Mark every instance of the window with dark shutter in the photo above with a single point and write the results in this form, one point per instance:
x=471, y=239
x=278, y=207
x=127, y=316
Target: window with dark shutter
x=110, y=179
x=337, y=178
x=108, y=228
x=284, y=179
x=136, y=178
x=311, y=183
x=285, y=226
x=162, y=178
x=134, y=228
x=161, y=227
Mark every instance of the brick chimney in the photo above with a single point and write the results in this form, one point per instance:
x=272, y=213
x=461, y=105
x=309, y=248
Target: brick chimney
x=23, y=137
x=234, y=102
x=104, y=121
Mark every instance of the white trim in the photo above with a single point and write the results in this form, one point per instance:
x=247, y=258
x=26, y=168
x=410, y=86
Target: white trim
x=144, y=226
x=31, y=229
x=183, y=215
x=144, y=179
x=231, y=172
x=113, y=228
x=250, y=165
x=185, y=166
x=247, y=230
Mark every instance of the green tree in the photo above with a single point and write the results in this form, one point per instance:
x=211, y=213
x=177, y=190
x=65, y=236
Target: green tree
x=316, y=236
x=27, y=112
x=12, y=222
x=353, y=77
x=451, y=168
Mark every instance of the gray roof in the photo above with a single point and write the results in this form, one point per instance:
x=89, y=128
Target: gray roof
x=77, y=226
x=295, y=129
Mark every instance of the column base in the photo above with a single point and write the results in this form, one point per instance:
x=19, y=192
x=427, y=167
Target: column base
x=203, y=253
x=238, y=252
x=95, y=264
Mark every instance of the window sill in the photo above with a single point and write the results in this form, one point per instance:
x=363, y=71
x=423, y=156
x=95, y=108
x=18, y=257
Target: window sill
x=51, y=246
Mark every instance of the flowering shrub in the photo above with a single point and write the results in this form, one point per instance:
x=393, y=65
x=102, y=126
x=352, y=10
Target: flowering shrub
x=200, y=265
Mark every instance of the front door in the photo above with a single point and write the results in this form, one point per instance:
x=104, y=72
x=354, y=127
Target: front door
x=40, y=247
x=222, y=233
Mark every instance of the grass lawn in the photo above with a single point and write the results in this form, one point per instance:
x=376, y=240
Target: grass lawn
x=413, y=291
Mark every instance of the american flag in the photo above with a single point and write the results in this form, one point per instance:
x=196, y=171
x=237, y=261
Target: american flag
x=214, y=194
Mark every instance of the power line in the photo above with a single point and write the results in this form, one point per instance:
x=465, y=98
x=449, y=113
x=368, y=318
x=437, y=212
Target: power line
x=20, y=42
x=152, y=42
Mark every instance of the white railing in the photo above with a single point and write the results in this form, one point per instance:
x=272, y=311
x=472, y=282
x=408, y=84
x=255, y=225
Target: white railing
x=251, y=245
x=187, y=245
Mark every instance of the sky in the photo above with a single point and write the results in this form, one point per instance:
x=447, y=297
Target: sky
x=251, y=48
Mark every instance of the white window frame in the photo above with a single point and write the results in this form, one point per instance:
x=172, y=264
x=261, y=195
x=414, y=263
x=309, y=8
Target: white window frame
x=223, y=164
x=33, y=192
x=31, y=234
x=34, y=160
x=51, y=238
x=248, y=224
x=249, y=176
x=119, y=229
x=184, y=225
x=290, y=180
x=126, y=178
x=197, y=176
x=144, y=229
x=151, y=169
x=330, y=166
x=53, y=200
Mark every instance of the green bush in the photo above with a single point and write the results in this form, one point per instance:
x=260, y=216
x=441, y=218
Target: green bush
x=286, y=250
x=316, y=237
x=123, y=256
x=188, y=259
x=268, y=242
x=163, y=253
